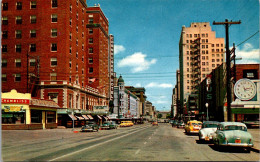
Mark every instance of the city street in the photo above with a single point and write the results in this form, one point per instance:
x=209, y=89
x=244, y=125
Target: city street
x=138, y=143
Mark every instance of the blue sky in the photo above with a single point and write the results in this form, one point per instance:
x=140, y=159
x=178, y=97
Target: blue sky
x=147, y=32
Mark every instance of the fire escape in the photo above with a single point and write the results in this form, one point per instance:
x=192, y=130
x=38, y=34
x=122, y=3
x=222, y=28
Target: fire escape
x=196, y=66
x=33, y=76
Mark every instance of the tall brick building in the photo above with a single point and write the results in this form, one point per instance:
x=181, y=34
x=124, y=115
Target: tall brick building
x=46, y=51
x=98, y=54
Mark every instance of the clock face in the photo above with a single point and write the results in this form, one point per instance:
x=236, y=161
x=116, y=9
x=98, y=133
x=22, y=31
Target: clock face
x=245, y=89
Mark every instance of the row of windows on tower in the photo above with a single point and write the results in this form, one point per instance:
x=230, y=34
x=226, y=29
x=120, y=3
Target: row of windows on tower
x=33, y=5
x=19, y=20
x=32, y=48
x=18, y=34
x=32, y=62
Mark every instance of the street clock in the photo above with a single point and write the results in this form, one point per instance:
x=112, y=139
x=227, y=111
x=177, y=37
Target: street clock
x=245, y=89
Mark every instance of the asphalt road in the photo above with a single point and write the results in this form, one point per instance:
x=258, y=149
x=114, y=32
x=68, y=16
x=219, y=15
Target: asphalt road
x=138, y=143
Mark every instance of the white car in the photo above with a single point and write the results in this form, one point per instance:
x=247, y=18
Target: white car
x=207, y=130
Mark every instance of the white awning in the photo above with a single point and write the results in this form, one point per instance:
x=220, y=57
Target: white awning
x=72, y=117
x=85, y=116
x=99, y=117
x=80, y=118
x=90, y=117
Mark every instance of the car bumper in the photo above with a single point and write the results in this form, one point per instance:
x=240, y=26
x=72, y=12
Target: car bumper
x=104, y=127
x=237, y=144
x=194, y=132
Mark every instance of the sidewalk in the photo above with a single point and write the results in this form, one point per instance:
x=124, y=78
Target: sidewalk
x=256, y=138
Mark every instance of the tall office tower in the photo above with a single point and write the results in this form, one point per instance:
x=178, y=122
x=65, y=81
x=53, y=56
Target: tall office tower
x=98, y=52
x=199, y=53
x=44, y=51
x=111, y=66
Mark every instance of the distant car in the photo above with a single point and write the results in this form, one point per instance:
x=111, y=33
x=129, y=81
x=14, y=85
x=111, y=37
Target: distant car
x=207, y=130
x=90, y=126
x=233, y=134
x=174, y=123
x=155, y=123
x=193, y=126
x=112, y=125
x=180, y=124
x=105, y=125
x=126, y=124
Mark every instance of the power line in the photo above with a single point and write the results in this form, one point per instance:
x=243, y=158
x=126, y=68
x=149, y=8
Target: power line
x=247, y=39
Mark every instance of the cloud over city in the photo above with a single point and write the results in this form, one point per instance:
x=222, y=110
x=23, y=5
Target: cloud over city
x=248, y=53
x=137, y=62
x=118, y=49
x=158, y=85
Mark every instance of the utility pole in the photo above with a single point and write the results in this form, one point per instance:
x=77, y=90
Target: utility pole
x=227, y=24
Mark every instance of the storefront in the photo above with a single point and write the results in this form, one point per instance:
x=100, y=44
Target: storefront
x=20, y=111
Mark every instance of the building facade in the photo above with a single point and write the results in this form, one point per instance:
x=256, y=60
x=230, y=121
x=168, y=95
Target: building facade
x=199, y=53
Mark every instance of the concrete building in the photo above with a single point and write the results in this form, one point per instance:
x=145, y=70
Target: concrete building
x=126, y=104
x=199, y=53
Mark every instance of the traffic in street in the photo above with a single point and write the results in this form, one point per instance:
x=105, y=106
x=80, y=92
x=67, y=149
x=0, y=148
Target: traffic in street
x=142, y=142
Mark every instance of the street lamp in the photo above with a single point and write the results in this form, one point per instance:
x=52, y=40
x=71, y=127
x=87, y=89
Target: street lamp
x=207, y=105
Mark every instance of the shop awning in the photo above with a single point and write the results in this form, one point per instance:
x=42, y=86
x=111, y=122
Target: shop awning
x=80, y=118
x=90, y=117
x=99, y=117
x=85, y=117
x=106, y=117
x=72, y=117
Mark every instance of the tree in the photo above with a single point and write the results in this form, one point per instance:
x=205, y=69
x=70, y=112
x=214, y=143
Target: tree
x=159, y=116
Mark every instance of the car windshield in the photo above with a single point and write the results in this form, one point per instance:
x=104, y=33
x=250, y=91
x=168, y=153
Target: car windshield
x=195, y=124
x=210, y=125
x=235, y=127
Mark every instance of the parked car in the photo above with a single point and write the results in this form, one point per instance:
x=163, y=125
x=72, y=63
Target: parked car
x=207, y=130
x=155, y=123
x=180, y=124
x=233, y=134
x=112, y=125
x=175, y=122
x=90, y=126
x=105, y=125
x=126, y=124
x=193, y=126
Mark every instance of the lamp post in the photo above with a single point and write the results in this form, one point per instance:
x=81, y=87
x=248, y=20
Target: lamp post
x=207, y=105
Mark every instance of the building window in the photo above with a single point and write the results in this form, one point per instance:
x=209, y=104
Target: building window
x=54, y=32
x=90, y=50
x=53, y=47
x=18, y=34
x=90, y=31
x=4, y=78
x=70, y=64
x=54, y=18
x=4, y=63
x=82, y=71
x=53, y=76
x=32, y=47
x=70, y=36
x=18, y=48
x=54, y=62
x=77, y=54
x=33, y=19
x=90, y=70
x=51, y=115
x=90, y=60
x=77, y=41
x=213, y=65
x=83, y=23
x=82, y=34
x=33, y=4
x=77, y=28
x=54, y=3
x=17, y=77
x=90, y=40
x=217, y=45
x=82, y=47
x=83, y=58
x=32, y=62
x=4, y=48
x=217, y=60
x=36, y=116
x=5, y=6
x=90, y=21
x=18, y=19
x=4, y=34
x=77, y=68
x=70, y=79
x=70, y=100
x=70, y=22
x=5, y=20
x=70, y=49
x=18, y=63
x=77, y=15
x=33, y=33
x=19, y=6
x=70, y=8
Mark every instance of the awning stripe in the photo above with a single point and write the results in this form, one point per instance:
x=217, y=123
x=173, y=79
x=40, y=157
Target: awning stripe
x=80, y=118
x=72, y=117
x=99, y=117
x=90, y=117
x=85, y=116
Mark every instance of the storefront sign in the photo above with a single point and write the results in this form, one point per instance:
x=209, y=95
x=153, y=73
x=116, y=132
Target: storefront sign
x=100, y=108
x=15, y=101
x=13, y=108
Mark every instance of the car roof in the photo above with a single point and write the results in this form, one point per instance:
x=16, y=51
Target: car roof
x=195, y=121
x=232, y=123
x=211, y=122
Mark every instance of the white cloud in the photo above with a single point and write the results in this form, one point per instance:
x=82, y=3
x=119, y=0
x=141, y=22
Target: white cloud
x=248, y=54
x=136, y=62
x=138, y=85
x=118, y=49
x=157, y=85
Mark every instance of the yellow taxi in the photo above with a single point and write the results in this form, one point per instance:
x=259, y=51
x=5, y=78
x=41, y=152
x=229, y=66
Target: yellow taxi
x=126, y=124
x=193, y=126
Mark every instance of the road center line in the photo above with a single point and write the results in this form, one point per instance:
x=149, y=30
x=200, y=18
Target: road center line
x=97, y=144
x=145, y=143
x=137, y=151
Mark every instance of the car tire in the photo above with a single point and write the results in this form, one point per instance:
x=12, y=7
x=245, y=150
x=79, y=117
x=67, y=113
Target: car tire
x=248, y=149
